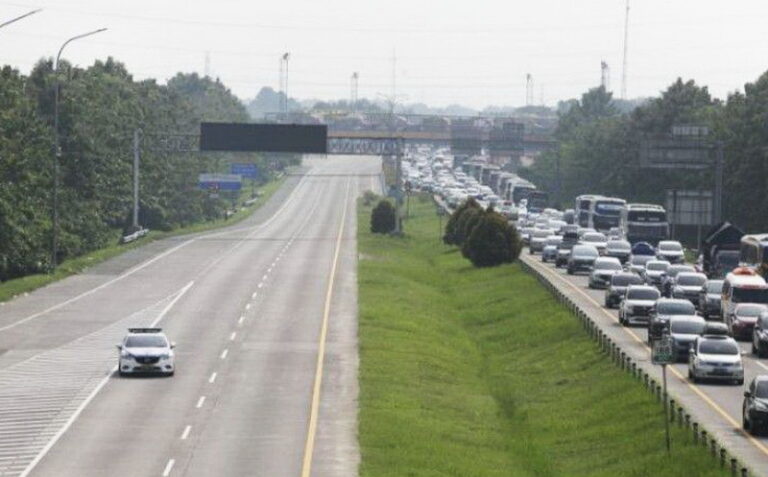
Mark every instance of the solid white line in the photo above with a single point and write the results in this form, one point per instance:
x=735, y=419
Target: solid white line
x=224, y=354
x=93, y=393
x=185, y=434
x=200, y=402
x=233, y=336
x=168, y=468
x=94, y=290
x=761, y=364
x=212, y=378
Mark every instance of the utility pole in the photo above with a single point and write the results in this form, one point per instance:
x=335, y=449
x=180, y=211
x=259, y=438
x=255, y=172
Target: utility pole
x=718, y=199
x=605, y=76
x=286, y=56
x=207, y=64
x=624, y=61
x=353, y=91
x=528, y=90
x=57, y=148
x=14, y=20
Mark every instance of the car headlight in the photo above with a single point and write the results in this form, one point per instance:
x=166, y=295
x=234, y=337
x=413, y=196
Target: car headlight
x=126, y=355
x=761, y=406
x=165, y=356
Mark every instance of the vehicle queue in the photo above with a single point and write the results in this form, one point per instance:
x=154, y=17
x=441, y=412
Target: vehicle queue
x=625, y=250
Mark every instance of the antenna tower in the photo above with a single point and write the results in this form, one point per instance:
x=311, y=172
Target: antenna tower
x=528, y=90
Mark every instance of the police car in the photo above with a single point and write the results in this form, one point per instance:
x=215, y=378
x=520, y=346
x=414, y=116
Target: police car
x=146, y=350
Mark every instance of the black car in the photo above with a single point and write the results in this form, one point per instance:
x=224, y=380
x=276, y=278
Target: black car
x=618, y=287
x=663, y=310
x=684, y=330
x=564, y=248
x=620, y=249
x=760, y=336
x=668, y=282
x=716, y=328
x=755, y=407
x=582, y=258
x=710, y=298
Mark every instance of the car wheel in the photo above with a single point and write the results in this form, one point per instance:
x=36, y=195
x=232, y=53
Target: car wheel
x=570, y=271
x=705, y=315
x=745, y=423
x=530, y=251
x=694, y=378
x=755, y=350
x=740, y=382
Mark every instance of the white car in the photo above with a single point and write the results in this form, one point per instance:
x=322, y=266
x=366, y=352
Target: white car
x=602, y=271
x=146, y=350
x=717, y=358
x=596, y=239
x=671, y=251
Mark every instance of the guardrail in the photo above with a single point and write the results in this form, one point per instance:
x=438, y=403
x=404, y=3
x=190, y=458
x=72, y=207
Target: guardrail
x=622, y=359
x=134, y=236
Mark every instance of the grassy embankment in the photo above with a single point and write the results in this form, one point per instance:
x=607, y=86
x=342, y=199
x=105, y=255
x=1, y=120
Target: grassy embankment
x=76, y=265
x=469, y=372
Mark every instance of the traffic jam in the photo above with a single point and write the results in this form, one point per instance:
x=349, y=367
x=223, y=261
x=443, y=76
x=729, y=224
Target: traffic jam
x=712, y=306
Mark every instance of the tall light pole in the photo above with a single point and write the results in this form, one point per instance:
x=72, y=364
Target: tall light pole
x=14, y=20
x=57, y=148
x=286, y=57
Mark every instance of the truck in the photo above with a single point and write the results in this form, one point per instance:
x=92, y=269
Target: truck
x=719, y=249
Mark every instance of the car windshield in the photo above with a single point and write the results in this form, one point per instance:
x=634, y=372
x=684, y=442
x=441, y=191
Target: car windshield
x=554, y=241
x=626, y=280
x=149, y=341
x=715, y=286
x=691, y=280
x=674, y=270
x=761, y=390
x=643, y=294
x=750, y=310
x=585, y=252
x=608, y=266
x=670, y=247
x=641, y=259
x=594, y=238
x=750, y=295
x=657, y=266
x=619, y=246
x=685, y=327
x=718, y=347
x=675, y=308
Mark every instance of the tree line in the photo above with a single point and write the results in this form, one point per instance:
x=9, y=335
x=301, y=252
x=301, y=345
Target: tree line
x=599, y=148
x=99, y=108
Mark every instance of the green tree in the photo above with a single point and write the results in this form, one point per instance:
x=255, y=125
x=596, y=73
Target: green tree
x=452, y=234
x=492, y=241
x=383, y=218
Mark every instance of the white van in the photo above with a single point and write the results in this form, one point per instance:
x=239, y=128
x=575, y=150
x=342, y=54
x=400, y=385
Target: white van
x=742, y=285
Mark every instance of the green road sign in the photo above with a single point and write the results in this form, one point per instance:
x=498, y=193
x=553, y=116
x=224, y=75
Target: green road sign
x=662, y=352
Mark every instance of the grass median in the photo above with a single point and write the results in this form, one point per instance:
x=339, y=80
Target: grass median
x=72, y=266
x=480, y=372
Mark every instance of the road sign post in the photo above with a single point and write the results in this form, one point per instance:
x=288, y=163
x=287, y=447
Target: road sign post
x=662, y=354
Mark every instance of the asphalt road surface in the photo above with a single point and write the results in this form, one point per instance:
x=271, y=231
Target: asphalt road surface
x=264, y=315
x=716, y=405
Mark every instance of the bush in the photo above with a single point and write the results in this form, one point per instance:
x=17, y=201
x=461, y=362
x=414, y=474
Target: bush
x=369, y=197
x=383, y=218
x=467, y=223
x=492, y=241
x=452, y=235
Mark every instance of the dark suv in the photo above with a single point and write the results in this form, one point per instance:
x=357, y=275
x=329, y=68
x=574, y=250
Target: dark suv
x=755, y=407
x=582, y=258
x=618, y=287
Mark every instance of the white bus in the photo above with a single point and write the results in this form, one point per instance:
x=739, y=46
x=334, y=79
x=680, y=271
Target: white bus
x=644, y=223
x=583, y=207
x=599, y=212
x=753, y=253
x=742, y=285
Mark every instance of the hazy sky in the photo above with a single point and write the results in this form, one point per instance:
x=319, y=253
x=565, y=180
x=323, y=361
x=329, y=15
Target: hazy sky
x=470, y=52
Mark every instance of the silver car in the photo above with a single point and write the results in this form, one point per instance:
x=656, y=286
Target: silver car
x=654, y=272
x=602, y=271
x=637, y=304
x=716, y=358
x=549, y=253
x=687, y=285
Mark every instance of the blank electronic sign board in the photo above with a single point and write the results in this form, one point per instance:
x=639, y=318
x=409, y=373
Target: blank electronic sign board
x=247, y=137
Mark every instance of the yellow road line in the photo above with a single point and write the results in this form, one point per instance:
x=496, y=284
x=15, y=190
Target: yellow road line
x=309, y=447
x=674, y=371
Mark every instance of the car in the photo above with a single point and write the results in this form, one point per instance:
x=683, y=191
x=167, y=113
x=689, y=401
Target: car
x=614, y=233
x=671, y=251
x=550, y=248
x=742, y=321
x=525, y=234
x=596, y=239
x=754, y=409
x=620, y=249
x=570, y=228
x=643, y=248
x=760, y=336
x=716, y=328
x=538, y=238
x=710, y=297
x=654, y=272
x=617, y=287
x=684, y=329
x=582, y=258
x=585, y=230
x=602, y=271
x=146, y=350
x=669, y=279
x=636, y=263
x=662, y=311
x=564, y=249
x=687, y=285
x=715, y=357
x=637, y=304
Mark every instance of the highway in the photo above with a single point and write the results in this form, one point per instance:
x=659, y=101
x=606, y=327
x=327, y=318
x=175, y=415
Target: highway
x=264, y=315
x=717, y=406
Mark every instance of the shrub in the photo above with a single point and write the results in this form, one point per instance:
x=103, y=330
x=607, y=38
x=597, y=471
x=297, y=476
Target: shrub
x=492, y=241
x=383, y=218
x=369, y=197
x=467, y=224
x=450, y=236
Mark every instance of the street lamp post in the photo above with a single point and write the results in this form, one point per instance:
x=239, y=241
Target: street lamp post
x=14, y=20
x=57, y=148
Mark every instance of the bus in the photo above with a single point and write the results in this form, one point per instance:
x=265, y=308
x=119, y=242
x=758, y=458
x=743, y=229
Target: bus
x=537, y=201
x=518, y=190
x=753, y=253
x=582, y=209
x=605, y=212
x=644, y=223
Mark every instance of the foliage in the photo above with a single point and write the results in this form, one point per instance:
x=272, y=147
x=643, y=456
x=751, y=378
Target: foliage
x=452, y=234
x=369, y=197
x=492, y=241
x=383, y=218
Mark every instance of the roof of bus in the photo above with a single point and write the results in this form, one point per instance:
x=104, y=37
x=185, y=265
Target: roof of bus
x=755, y=238
x=645, y=206
x=614, y=199
x=748, y=280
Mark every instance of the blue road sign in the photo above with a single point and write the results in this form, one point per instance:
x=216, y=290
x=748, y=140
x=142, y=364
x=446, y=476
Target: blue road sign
x=220, y=181
x=251, y=171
